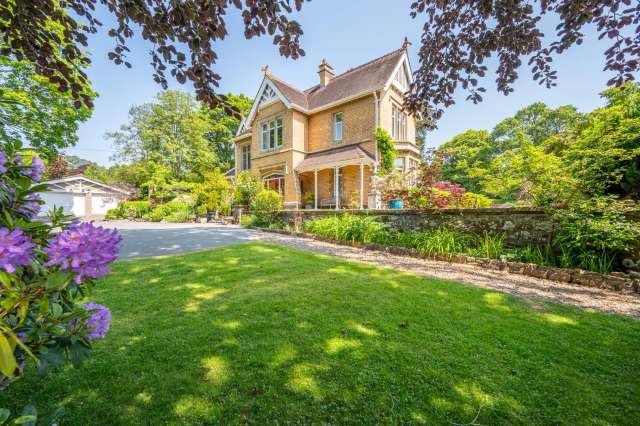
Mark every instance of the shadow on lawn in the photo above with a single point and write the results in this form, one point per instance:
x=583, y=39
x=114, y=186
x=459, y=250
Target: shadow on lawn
x=258, y=333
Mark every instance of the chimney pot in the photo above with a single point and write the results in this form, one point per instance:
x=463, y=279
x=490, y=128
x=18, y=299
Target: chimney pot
x=325, y=71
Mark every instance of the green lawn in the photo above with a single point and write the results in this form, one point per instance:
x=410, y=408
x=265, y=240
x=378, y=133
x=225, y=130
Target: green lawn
x=258, y=333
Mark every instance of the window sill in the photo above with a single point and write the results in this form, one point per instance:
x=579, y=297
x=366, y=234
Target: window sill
x=266, y=151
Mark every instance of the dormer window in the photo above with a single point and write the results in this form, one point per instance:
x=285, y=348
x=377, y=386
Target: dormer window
x=337, y=126
x=272, y=134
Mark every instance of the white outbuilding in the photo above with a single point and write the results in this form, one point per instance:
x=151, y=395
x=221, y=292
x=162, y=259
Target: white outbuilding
x=81, y=196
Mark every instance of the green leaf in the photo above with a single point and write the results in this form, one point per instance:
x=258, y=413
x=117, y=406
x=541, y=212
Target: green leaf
x=56, y=310
x=4, y=278
x=78, y=353
x=58, y=280
x=55, y=416
x=53, y=357
x=7, y=360
x=29, y=416
x=4, y=415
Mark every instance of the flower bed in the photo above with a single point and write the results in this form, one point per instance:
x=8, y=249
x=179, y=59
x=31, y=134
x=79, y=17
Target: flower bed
x=616, y=281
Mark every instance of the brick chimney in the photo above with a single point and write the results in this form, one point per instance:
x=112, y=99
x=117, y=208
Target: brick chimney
x=326, y=73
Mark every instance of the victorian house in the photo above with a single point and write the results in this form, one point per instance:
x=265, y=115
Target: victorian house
x=317, y=146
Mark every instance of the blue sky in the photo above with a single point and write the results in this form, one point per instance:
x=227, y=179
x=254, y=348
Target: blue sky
x=346, y=34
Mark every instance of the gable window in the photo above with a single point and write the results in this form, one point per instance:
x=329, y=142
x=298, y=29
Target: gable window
x=401, y=77
x=246, y=157
x=274, y=182
x=337, y=126
x=272, y=134
x=398, y=123
x=268, y=94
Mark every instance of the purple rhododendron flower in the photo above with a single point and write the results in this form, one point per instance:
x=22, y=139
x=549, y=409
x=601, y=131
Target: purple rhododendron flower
x=99, y=322
x=84, y=249
x=35, y=170
x=31, y=207
x=15, y=249
x=3, y=161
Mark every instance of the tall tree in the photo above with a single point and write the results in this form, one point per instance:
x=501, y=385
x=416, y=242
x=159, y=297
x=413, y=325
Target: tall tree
x=537, y=122
x=224, y=127
x=466, y=158
x=528, y=173
x=171, y=132
x=605, y=156
x=33, y=111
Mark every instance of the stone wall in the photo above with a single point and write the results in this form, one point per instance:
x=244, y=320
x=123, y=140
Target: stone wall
x=521, y=226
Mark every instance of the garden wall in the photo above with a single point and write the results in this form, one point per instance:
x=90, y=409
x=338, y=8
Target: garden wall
x=521, y=226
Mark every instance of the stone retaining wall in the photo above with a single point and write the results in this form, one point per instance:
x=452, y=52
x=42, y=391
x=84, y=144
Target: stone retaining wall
x=521, y=226
x=616, y=281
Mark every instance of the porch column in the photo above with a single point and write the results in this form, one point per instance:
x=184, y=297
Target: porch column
x=315, y=189
x=336, y=186
x=361, y=185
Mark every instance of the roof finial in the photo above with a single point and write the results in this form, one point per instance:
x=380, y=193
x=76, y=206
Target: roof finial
x=406, y=43
x=265, y=69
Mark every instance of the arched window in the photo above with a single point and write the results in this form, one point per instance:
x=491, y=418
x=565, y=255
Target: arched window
x=275, y=182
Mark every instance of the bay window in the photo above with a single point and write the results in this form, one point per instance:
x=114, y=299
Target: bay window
x=274, y=182
x=272, y=134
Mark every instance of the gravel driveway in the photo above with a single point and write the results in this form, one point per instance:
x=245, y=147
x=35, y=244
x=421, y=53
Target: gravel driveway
x=145, y=239
x=155, y=239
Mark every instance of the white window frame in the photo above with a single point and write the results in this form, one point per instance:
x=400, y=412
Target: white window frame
x=395, y=164
x=272, y=134
x=275, y=177
x=398, y=123
x=245, y=156
x=338, y=125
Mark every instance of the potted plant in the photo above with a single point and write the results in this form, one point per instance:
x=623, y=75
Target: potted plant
x=309, y=200
x=394, y=190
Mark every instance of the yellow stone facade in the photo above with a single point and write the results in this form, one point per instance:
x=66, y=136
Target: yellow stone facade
x=312, y=131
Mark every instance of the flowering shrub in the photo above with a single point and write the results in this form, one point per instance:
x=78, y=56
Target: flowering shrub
x=266, y=203
x=446, y=194
x=46, y=270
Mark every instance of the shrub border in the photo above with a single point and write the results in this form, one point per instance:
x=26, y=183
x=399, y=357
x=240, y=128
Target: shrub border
x=617, y=281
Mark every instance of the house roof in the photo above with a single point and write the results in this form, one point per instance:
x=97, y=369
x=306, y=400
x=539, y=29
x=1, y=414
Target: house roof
x=366, y=77
x=369, y=76
x=344, y=155
x=359, y=81
x=63, y=183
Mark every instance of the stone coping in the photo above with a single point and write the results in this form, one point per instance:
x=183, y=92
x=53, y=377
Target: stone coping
x=497, y=211
x=616, y=281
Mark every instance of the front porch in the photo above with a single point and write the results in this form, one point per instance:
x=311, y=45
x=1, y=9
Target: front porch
x=336, y=179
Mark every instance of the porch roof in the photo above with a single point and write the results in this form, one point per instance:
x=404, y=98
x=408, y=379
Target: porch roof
x=336, y=157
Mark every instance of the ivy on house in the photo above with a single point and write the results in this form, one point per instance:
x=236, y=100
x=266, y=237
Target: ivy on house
x=387, y=151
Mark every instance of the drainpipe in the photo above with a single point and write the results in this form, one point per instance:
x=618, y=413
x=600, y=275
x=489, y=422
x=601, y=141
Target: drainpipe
x=376, y=119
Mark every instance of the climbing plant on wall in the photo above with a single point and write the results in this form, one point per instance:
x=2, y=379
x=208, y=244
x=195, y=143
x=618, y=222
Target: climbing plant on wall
x=386, y=150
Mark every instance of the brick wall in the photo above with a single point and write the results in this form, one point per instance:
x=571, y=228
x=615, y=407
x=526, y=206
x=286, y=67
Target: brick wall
x=521, y=226
x=357, y=125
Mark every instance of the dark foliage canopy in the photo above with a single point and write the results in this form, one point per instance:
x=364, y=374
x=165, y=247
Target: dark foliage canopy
x=45, y=33
x=459, y=37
